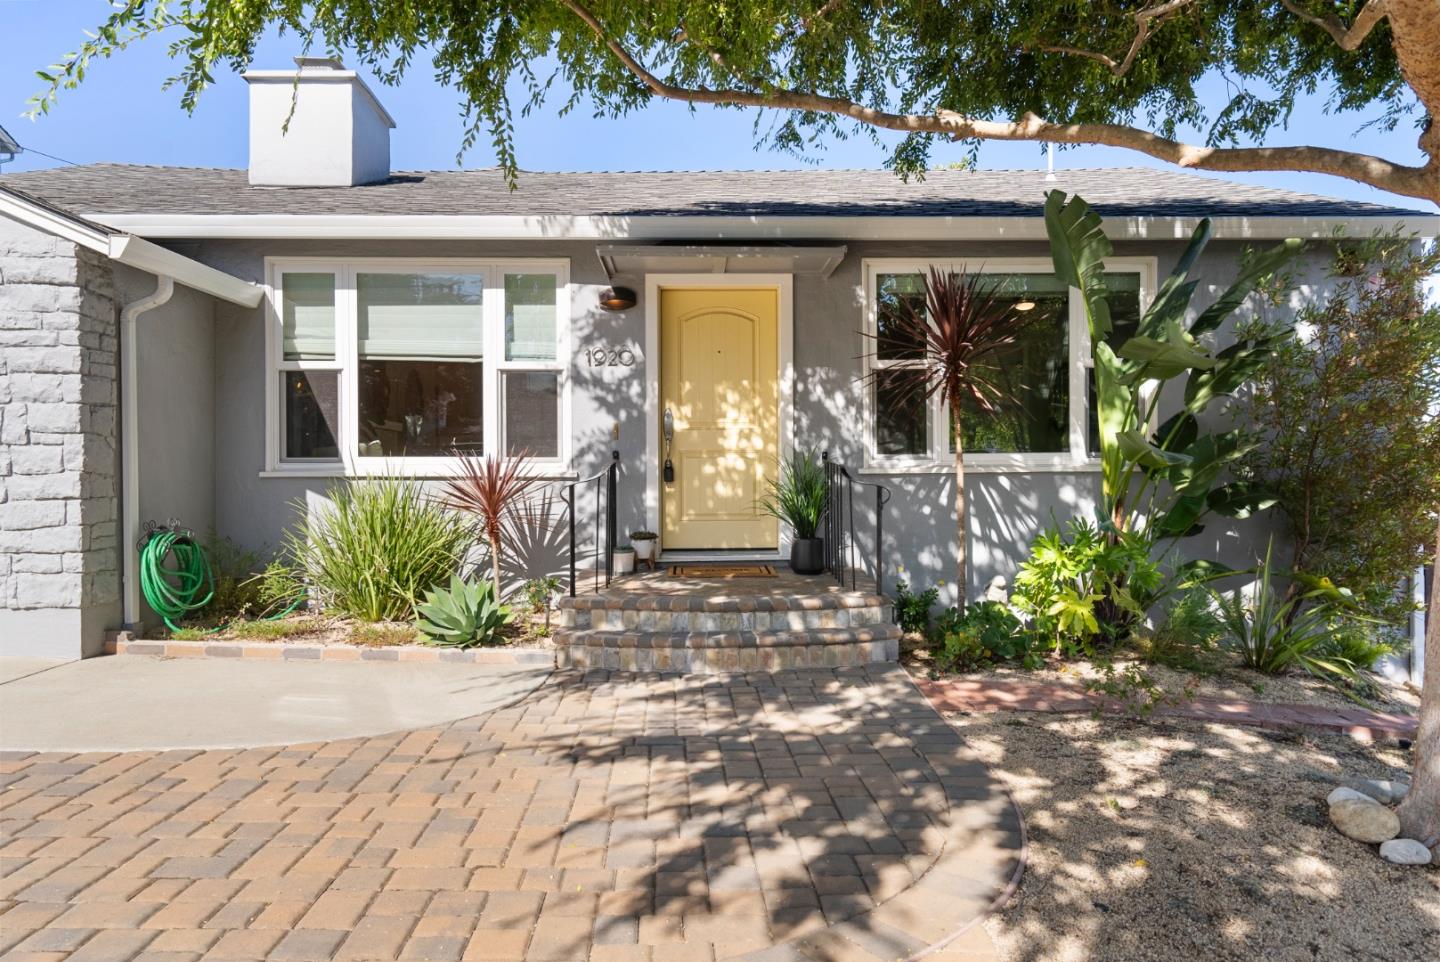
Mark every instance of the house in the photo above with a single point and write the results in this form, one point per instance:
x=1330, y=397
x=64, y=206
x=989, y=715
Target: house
x=221, y=346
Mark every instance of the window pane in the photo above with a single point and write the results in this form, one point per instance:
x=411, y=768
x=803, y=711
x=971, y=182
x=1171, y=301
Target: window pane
x=420, y=316
x=1125, y=320
x=898, y=296
x=1033, y=378
x=900, y=422
x=421, y=364
x=308, y=316
x=530, y=317
x=532, y=414
x=311, y=419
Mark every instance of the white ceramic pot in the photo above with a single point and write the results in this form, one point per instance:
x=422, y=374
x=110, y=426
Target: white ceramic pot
x=624, y=562
x=645, y=549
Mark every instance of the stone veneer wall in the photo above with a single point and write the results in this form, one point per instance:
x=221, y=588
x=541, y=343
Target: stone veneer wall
x=59, y=446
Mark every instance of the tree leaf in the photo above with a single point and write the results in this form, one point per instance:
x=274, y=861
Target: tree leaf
x=1256, y=271
x=1241, y=499
x=1138, y=450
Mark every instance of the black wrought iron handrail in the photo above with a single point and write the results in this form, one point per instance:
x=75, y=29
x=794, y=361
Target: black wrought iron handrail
x=605, y=483
x=839, y=524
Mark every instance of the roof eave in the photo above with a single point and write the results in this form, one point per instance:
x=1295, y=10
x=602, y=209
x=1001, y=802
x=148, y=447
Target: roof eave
x=704, y=227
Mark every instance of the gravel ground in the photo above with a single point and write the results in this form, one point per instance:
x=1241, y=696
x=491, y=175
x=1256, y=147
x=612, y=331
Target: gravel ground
x=1178, y=840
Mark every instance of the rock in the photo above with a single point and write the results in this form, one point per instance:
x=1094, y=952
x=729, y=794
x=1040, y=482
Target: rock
x=1384, y=791
x=1405, y=851
x=1364, y=821
x=1347, y=794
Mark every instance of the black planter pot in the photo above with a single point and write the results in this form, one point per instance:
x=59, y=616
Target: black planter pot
x=807, y=556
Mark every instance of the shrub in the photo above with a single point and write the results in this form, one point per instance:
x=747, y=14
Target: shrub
x=912, y=611
x=377, y=545
x=1190, y=629
x=234, y=568
x=1086, y=582
x=540, y=594
x=1353, y=449
x=492, y=489
x=464, y=615
x=986, y=632
x=1276, y=629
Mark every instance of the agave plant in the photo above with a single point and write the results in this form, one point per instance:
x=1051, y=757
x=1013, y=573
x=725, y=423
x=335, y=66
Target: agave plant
x=955, y=343
x=463, y=615
x=491, y=488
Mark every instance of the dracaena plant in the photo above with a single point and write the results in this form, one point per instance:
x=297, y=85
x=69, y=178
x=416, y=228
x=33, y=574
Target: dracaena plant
x=1161, y=484
x=954, y=344
x=491, y=488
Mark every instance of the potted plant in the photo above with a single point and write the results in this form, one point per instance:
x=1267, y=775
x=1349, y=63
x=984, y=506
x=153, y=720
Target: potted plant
x=623, y=557
x=644, y=542
x=797, y=498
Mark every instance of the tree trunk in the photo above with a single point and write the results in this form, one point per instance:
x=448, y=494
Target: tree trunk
x=1420, y=812
x=962, y=574
x=495, y=565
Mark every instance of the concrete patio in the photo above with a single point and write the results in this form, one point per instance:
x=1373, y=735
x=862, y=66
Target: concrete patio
x=805, y=815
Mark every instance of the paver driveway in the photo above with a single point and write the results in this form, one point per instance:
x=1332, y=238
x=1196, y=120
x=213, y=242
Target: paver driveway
x=802, y=815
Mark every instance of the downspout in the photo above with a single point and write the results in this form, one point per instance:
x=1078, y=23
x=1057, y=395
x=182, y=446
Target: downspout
x=130, y=446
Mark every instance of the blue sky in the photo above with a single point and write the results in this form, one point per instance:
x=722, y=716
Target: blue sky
x=121, y=114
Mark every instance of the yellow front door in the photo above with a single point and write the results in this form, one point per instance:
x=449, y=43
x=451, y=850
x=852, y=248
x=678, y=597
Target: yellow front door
x=719, y=381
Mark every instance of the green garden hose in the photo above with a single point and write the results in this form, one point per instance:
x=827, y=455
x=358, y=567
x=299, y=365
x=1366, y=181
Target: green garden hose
x=176, y=578
x=177, y=589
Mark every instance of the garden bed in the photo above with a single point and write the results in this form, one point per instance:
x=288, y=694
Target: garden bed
x=1228, y=680
x=1166, y=840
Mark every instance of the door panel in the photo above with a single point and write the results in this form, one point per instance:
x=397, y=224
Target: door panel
x=719, y=377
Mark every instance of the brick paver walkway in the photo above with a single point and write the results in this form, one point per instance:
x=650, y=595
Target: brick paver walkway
x=956, y=694
x=821, y=815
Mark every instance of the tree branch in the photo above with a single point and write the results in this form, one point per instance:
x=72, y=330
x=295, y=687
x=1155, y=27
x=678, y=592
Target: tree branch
x=1348, y=38
x=1147, y=21
x=1422, y=182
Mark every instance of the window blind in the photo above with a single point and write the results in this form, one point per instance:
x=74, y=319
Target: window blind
x=420, y=316
x=308, y=316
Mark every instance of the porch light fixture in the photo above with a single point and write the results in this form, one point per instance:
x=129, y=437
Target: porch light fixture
x=1025, y=305
x=617, y=299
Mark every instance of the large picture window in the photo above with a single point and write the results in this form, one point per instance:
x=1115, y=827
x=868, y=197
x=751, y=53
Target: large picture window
x=1049, y=422
x=394, y=366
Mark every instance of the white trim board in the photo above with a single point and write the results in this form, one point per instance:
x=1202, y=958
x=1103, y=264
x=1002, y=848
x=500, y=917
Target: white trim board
x=785, y=332
x=706, y=228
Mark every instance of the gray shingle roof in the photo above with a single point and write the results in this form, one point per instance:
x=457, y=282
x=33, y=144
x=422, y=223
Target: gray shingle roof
x=100, y=189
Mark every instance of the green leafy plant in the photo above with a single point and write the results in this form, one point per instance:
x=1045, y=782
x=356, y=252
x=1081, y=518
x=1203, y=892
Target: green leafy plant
x=376, y=545
x=1064, y=586
x=276, y=588
x=1353, y=440
x=798, y=494
x=464, y=615
x=912, y=611
x=540, y=595
x=981, y=635
x=643, y=536
x=1188, y=632
x=1162, y=484
x=1273, y=629
x=954, y=344
x=234, y=594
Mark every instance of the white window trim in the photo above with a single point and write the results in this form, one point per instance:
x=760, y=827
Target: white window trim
x=1076, y=459
x=350, y=463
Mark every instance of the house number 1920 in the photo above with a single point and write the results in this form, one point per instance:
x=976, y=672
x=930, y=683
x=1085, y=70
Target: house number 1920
x=610, y=357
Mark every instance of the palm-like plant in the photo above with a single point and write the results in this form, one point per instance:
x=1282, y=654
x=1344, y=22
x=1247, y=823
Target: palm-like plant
x=491, y=488
x=954, y=345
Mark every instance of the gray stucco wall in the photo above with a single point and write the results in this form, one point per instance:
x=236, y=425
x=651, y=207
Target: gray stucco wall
x=59, y=560
x=175, y=375
x=1007, y=509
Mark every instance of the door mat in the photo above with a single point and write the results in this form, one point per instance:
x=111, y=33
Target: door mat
x=722, y=571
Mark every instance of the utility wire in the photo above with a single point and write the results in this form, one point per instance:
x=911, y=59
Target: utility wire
x=32, y=150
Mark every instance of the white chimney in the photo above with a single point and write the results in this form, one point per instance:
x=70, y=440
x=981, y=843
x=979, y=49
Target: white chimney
x=338, y=136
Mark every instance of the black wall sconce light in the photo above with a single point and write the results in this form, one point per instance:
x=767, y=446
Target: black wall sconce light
x=617, y=298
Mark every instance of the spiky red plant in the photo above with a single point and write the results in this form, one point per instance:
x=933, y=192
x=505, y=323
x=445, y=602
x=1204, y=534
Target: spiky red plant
x=953, y=347
x=491, y=488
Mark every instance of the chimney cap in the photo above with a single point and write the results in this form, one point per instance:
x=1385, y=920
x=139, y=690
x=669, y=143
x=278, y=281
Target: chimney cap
x=327, y=63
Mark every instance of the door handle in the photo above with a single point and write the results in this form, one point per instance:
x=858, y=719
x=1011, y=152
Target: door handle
x=668, y=472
